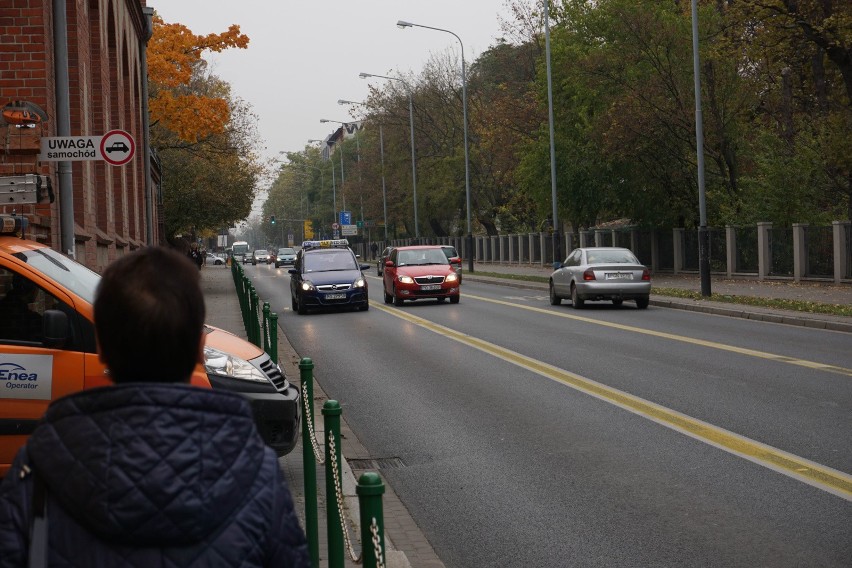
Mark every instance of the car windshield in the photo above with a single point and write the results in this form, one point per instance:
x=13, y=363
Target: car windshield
x=68, y=273
x=421, y=257
x=260, y=253
x=449, y=252
x=329, y=260
x=610, y=257
x=286, y=251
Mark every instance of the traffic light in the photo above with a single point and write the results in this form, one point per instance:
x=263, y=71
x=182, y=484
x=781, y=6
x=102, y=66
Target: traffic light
x=272, y=219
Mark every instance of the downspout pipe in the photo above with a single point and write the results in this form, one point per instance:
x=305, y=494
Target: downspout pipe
x=63, y=126
x=146, y=131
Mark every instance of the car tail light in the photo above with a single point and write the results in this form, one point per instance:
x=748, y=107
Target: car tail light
x=589, y=275
x=646, y=275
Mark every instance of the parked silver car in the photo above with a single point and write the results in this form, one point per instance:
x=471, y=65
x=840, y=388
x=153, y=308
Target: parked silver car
x=600, y=273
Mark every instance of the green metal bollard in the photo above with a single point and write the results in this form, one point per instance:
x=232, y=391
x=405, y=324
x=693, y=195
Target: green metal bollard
x=331, y=411
x=306, y=373
x=265, y=328
x=273, y=336
x=254, y=334
x=370, y=490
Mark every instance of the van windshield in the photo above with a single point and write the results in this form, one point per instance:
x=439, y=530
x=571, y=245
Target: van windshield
x=61, y=269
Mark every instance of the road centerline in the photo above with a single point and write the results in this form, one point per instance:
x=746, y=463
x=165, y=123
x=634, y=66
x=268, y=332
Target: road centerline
x=809, y=472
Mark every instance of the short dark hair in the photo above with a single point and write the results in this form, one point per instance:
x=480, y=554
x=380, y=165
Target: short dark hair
x=149, y=316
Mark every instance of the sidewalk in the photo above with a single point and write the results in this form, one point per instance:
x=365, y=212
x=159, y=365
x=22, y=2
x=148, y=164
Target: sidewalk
x=406, y=545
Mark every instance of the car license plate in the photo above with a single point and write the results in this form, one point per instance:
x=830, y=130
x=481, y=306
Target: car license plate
x=431, y=287
x=619, y=276
x=335, y=296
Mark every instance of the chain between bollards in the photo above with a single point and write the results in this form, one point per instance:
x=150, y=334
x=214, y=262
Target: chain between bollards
x=306, y=370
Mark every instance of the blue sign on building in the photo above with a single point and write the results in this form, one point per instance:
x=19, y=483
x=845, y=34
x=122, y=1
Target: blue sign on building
x=346, y=217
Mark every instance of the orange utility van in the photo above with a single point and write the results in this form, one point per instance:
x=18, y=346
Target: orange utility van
x=49, y=350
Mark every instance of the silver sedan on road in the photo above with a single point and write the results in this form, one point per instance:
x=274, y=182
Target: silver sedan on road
x=600, y=273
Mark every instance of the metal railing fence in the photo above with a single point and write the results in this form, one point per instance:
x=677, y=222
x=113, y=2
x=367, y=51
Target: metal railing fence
x=262, y=329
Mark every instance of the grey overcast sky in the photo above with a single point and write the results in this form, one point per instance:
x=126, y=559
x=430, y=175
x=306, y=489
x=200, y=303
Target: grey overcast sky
x=305, y=55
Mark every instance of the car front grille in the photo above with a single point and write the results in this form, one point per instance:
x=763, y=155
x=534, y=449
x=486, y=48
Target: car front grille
x=334, y=287
x=429, y=279
x=271, y=370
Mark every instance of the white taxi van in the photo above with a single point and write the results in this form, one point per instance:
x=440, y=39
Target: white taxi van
x=47, y=348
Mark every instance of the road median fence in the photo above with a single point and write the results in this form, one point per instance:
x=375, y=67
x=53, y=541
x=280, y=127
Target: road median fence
x=261, y=326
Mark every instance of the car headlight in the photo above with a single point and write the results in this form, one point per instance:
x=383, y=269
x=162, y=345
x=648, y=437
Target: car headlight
x=360, y=283
x=406, y=279
x=224, y=364
x=452, y=277
x=307, y=286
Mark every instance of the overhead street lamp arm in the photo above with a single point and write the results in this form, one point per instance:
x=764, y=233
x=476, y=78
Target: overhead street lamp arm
x=403, y=24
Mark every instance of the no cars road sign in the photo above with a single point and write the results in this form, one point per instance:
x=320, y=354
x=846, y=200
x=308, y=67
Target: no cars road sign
x=117, y=147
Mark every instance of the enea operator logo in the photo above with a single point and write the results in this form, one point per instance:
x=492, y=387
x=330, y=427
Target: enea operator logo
x=27, y=377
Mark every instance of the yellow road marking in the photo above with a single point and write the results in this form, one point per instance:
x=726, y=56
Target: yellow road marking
x=822, y=477
x=681, y=338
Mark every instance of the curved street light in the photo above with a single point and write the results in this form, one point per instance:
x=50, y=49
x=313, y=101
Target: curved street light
x=403, y=24
x=413, y=155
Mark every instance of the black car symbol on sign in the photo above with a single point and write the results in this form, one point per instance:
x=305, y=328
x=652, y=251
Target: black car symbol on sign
x=117, y=147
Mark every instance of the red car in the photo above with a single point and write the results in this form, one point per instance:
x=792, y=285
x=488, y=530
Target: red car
x=418, y=272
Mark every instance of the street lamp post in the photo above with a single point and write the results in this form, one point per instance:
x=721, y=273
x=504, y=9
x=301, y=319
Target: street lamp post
x=333, y=187
x=403, y=24
x=382, y=154
x=556, y=242
x=322, y=176
x=703, y=232
x=413, y=154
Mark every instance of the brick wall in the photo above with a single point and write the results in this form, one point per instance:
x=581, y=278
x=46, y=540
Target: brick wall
x=104, y=43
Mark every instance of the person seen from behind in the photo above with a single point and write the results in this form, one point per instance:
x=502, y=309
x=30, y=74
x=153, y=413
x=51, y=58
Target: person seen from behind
x=150, y=471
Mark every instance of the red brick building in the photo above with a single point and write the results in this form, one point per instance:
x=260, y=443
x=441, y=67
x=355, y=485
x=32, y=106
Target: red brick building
x=115, y=208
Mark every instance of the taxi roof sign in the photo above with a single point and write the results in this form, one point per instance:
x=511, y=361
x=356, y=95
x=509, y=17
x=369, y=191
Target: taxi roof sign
x=329, y=243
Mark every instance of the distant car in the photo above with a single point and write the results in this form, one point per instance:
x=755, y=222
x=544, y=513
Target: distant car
x=419, y=272
x=380, y=263
x=286, y=255
x=213, y=259
x=327, y=274
x=260, y=255
x=454, y=258
x=117, y=147
x=600, y=273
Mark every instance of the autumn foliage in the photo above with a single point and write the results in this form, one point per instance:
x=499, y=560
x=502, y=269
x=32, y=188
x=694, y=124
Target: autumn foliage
x=174, y=58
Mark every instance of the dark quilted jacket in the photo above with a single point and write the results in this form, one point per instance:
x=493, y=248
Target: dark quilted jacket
x=152, y=475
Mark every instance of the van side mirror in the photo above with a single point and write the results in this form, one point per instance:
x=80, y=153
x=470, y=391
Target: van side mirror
x=55, y=328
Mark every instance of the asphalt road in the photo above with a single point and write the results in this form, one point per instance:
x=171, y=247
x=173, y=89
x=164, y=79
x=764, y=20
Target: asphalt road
x=524, y=434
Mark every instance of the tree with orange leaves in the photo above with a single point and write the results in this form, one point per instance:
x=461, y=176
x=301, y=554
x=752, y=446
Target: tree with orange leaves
x=205, y=138
x=174, y=66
